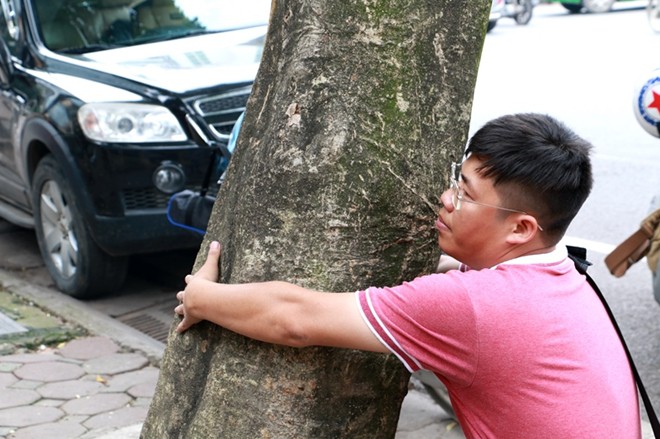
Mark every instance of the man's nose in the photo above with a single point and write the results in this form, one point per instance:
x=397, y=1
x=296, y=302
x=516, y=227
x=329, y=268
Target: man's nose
x=446, y=199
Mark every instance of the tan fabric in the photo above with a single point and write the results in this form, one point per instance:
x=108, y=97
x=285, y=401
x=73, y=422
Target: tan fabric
x=644, y=242
x=631, y=250
x=652, y=224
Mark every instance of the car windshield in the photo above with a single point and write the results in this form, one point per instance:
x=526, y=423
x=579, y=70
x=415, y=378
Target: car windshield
x=80, y=26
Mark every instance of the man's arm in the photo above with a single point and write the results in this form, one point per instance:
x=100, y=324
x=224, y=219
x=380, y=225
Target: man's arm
x=274, y=312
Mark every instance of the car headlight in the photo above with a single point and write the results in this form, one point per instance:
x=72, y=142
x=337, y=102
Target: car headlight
x=129, y=123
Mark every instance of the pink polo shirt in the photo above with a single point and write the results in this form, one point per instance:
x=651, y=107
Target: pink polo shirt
x=525, y=349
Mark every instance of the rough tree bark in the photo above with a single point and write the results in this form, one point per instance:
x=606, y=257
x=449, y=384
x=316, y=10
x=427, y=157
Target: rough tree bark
x=358, y=108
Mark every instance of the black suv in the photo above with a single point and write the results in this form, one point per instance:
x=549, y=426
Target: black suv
x=107, y=107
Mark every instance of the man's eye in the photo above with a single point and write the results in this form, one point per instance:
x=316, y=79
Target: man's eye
x=466, y=196
x=461, y=191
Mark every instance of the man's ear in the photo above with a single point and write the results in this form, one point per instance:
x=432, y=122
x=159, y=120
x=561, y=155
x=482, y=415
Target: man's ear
x=523, y=229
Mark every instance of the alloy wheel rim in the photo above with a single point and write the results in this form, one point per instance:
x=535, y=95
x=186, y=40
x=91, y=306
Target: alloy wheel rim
x=60, y=240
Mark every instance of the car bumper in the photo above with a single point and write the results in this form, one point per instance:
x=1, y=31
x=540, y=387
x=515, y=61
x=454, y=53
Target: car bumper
x=126, y=212
x=145, y=232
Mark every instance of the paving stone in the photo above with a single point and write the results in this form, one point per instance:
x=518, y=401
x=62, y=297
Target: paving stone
x=145, y=390
x=142, y=402
x=26, y=384
x=70, y=389
x=29, y=415
x=124, y=381
x=130, y=432
x=59, y=430
x=9, y=367
x=115, y=364
x=49, y=371
x=7, y=379
x=17, y=397
x=95, y=404
x=119, y=418
x=49, y=402
x=88, y=348
x=30, y=358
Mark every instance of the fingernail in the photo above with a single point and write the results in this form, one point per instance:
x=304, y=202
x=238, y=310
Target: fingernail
x=215, y=245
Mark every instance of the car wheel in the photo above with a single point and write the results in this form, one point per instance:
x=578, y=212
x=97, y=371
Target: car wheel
x=77, y=265
x=525, y=13
x=572, y=7
x=598, y=6
x=491, y=25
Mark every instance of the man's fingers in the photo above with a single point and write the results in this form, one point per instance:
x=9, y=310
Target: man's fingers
x=208, y=272
x=186, y=323
x=183, y=326
x=210, y=268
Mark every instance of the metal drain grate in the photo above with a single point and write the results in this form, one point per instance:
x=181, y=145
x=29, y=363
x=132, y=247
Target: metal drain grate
x=154, y=322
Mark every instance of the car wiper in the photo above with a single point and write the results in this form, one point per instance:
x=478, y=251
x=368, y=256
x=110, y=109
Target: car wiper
x=173, y=35
x=90, y=48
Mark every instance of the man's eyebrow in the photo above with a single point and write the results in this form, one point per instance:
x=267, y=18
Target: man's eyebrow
x=465, y=180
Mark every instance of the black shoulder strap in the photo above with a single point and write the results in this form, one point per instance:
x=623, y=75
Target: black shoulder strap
x=578, y=255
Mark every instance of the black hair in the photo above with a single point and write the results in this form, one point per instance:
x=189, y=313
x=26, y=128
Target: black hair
x=538, y=165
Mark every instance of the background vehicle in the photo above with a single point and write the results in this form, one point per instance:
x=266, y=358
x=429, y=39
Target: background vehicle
x=496, y=10
x=595, y=6
x=520, y=10
x=107, y=107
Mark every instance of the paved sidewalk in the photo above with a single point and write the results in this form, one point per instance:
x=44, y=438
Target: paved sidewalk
x=89, y=388
x=82, y=390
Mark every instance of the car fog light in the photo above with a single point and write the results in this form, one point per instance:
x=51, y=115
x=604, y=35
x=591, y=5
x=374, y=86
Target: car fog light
x=169, y=178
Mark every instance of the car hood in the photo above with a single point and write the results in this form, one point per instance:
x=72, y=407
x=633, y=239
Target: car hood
x=184, y=64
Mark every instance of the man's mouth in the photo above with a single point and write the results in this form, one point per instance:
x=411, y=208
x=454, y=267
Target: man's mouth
x=440, y=225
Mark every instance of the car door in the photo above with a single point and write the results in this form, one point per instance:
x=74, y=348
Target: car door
x=12, y=190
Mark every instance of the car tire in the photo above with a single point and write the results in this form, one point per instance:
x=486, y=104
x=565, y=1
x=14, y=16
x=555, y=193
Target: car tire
x=525, y=15
x=76, y=264
x=572, y=7
x=598, y=6
x=491, y=25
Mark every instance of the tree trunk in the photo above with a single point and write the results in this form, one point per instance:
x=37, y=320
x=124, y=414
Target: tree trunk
x=356, y=113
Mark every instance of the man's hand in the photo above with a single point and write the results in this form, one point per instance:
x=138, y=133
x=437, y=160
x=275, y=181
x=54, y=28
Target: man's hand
x=208, y=273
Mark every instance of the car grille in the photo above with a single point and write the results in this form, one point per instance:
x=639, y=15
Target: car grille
x=152, y=198
x=221, y=111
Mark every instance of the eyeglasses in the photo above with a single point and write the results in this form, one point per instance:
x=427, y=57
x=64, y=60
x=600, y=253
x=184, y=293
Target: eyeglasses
x=458, y=194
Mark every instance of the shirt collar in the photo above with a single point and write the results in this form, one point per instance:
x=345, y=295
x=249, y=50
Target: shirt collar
x=557, y=255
